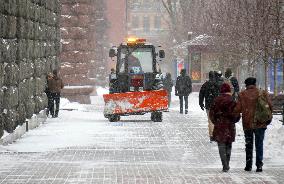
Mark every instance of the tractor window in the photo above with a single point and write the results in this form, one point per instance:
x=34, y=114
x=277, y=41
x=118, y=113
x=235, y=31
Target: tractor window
x=140, y=60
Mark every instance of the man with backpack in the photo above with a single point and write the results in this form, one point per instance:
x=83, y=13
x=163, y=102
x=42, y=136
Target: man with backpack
x=253, y=126
x=209, y=91
x=233, y=82
x=182, y=89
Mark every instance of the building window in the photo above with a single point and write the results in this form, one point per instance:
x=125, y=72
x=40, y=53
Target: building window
x=146, y=24
x=135, y=22
x=157, y=22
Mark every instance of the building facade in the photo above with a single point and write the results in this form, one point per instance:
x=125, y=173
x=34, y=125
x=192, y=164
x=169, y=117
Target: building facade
x=147, y=19
x=83, y=39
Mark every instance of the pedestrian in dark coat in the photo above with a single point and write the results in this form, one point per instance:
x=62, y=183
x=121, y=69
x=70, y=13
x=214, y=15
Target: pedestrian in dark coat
x=47, y=92
x=209, y=91
x=112, y=81
x=219, y=79
x=182, y=89
x=233, y=82
x=55, y=85
x=224, y=118
x=168, y=85
x=246, y=105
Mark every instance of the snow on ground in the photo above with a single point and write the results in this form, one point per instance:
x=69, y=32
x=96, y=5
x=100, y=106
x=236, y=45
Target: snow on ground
x=76, y=125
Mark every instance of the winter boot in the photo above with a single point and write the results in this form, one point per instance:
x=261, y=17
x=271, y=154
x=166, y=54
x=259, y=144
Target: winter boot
x=259, y=169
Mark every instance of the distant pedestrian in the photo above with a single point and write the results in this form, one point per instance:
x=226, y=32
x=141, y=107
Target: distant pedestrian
x=55, y=85
x=224, y=119
x=168, y=85
x=209, y=91
x=112, y=81
x=233, y=82
x=219, y=78
x=246, y=104
x=47, y=92
x=183, y=88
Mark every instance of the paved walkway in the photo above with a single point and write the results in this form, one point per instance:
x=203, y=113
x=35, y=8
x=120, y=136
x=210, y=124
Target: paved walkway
x=136, y=150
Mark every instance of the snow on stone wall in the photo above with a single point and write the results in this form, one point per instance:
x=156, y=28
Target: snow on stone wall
x=29, y=49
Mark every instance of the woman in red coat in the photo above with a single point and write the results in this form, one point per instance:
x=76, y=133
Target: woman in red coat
x=224, y=119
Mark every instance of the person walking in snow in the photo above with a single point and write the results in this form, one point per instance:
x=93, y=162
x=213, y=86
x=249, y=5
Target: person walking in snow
x=183, y=88
x=47, y=92
x=224, y=118
x=168, y=85
x=112, y=81
x=218, y=78
x=246, y=104
x=230, y=79
x=55, y=84
x=208, y=92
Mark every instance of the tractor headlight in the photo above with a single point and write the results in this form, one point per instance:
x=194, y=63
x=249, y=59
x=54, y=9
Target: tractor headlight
x=131, y=88
x=140, y=89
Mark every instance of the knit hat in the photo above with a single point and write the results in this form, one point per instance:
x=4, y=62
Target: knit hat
x=250, y=81
x=225, y=88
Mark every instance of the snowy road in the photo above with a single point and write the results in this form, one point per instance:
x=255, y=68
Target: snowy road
x=81, y=146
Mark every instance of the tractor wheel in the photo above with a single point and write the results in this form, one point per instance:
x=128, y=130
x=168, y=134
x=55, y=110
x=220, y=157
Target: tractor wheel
x=113, y=118
x=157, y=116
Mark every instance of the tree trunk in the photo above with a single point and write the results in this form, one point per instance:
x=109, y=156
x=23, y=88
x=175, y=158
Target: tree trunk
x=265, y=76
x=275, y=79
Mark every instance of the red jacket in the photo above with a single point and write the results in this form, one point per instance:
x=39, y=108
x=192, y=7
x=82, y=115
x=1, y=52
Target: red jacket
x=223, y=117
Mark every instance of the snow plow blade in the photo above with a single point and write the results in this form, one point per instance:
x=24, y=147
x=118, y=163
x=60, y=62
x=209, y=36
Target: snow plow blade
x=135, y=102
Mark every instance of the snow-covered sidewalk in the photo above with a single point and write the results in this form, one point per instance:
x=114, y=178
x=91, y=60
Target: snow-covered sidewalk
x=81, y=146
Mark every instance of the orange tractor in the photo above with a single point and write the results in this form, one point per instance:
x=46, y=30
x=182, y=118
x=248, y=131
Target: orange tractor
x=135, y=86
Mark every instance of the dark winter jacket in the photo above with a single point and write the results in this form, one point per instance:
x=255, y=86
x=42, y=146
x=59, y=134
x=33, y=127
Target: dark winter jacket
x=246, y=105
x=219, y=81
x=224, y=118
x=209, y=90
x=55, y=85
x=235, y=86
x=168, y=83
x=183, y=85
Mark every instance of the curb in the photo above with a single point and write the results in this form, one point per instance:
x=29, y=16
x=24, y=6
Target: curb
x=30, y=124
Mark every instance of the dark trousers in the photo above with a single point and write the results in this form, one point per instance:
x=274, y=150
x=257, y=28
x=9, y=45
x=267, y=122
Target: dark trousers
x=225, y=150
x=259, y=137
x=185, y=103
x=54, y=97
x=49, y=101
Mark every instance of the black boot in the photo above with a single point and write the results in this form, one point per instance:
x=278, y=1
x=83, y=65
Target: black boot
x=247, y=168
x=259, y=169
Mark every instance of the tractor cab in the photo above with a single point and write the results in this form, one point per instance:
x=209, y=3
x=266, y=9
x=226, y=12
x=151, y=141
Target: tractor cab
x=136, y=86
x=136, y=66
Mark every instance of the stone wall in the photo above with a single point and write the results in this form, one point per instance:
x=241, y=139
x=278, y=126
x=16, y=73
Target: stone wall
x=81, y=57
x=29, y=49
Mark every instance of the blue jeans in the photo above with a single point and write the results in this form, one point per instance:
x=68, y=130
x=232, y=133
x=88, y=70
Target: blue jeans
x=181, y=103
x=259, y=137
